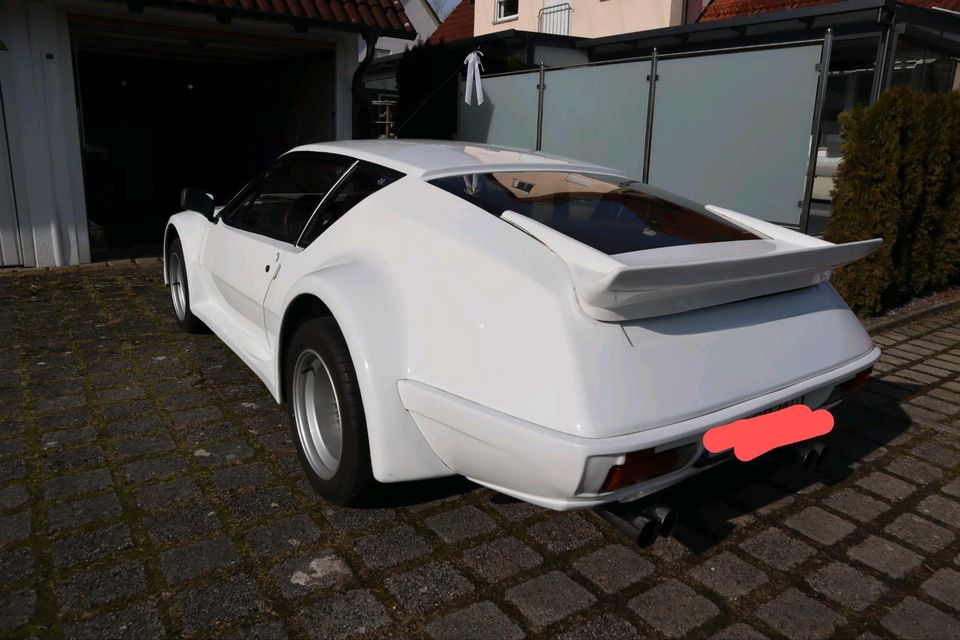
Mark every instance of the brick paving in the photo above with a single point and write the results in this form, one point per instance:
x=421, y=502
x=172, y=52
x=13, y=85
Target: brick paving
x=149, y=489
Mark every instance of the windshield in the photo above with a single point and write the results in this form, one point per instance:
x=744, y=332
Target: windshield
x=607, y=213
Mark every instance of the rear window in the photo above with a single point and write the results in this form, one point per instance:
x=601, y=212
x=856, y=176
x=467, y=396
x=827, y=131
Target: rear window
x=607, y=213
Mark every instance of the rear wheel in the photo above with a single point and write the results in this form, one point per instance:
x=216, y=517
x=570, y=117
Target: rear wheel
x=326, y=412
x=180, y=290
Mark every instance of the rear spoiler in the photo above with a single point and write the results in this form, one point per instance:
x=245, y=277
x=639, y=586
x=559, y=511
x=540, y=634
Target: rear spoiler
x=659, y=282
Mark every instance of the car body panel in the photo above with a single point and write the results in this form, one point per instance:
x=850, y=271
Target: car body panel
x=444, y=305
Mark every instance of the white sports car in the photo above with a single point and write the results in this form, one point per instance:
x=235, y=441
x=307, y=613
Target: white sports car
x=548, y=328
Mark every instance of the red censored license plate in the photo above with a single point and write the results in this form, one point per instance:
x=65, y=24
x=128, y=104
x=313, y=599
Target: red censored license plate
x=753, y=437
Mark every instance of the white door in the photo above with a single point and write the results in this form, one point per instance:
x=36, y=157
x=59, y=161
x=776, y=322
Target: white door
x=9, y=229
x=245, y=249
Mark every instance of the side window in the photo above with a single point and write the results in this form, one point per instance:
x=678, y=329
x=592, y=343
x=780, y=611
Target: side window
x=364, y=180
x=287, y=196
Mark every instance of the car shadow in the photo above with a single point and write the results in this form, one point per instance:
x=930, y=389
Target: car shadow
x=712, y=505
x=415, y=493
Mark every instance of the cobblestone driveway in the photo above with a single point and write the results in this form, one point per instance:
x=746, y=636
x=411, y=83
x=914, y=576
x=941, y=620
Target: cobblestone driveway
x=149, y=488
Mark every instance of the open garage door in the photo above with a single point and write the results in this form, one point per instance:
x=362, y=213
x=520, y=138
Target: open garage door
x=9, y=229
x=164, y=108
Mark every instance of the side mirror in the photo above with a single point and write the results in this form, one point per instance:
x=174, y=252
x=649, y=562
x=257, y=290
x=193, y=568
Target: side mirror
x=197, y=200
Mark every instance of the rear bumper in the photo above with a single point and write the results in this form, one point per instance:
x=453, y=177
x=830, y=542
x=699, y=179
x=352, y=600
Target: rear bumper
x=562, y=471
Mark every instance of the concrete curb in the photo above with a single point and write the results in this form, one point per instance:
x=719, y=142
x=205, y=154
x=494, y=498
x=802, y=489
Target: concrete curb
x=145, y=263
x=875, y=325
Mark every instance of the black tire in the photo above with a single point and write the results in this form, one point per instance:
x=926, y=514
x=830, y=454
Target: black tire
x=188, y=322
x=353, y=475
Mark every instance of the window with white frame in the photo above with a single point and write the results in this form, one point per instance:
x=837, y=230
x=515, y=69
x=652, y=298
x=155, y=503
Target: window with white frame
x=507, y=9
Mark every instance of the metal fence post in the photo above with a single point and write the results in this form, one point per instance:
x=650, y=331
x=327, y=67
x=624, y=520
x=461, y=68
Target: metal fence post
x=651, y=102
x=540, y=89
x=815, y=129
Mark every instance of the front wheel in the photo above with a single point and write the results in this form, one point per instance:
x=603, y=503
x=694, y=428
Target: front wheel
x=180, y=290
x=326, y=412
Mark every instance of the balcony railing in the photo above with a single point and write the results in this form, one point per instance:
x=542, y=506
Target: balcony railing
x=556, y=19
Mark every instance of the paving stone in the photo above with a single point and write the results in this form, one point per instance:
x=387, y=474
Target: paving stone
x=614, y=567
x=199, y=521
x=281, y=535
x=189, y=561
x=348, y=615
x=501, y=558
x=607, y=626
x=59, y=460
x=777, y=549
x=936, y=453
x=93, y=587
x=12, y=469
x=428, y=587
x=83, y=511
x=142, y=446
x=728, y=575
x=856, y=504
x=913, y=469
x=549, y=598
x=944, y=586
x=222, y=601
x=13, y=496
x=461, y=524
x=265, y=630
x=154, y=468
x=515, y=510
x=819, y=525
x=134, y=426
x=78, y=483
x=140, y=622
x=738, y=631
x=255, y=505
x=166, y=494
x=208, y=432
x=915, y=620
x=306, y=573
x=221, y=453
x=254, y=474
x=480, y=621
x=673, y=608
x=885, y=556
x=87, y=546
x=17, y=609
x=391, y=547
x=564, y=532
x=16, y=565
x=798, y=616
x=846, y=586
x=353, y=519
x=886, y=486
x=943, y=509
x=12, y=447
x=920, y=532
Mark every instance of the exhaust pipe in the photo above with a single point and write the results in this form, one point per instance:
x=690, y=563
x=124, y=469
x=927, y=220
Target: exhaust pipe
x=643, y=527
x=810, y=454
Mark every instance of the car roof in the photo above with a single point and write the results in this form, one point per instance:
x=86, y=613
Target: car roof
x=429, y=159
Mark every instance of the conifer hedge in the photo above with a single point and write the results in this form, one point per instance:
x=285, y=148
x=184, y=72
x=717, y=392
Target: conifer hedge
x=900, y=180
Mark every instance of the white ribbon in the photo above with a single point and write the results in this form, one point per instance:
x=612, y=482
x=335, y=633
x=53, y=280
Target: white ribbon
x=473, y=77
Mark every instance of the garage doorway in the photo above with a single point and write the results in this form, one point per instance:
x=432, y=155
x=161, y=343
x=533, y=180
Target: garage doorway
x=164, y=109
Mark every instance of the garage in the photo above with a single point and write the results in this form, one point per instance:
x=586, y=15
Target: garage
x=111, y=108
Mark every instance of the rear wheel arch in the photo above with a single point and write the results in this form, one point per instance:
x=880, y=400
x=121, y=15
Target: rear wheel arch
x=168, y=237
x=304, y=307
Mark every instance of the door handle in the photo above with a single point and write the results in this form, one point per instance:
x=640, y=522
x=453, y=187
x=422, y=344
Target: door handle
x=267, y=268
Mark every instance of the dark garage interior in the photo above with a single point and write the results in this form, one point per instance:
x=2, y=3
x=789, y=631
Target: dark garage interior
x=164, y=110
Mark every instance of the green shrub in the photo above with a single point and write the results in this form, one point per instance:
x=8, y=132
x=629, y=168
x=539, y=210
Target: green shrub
x=899, y=180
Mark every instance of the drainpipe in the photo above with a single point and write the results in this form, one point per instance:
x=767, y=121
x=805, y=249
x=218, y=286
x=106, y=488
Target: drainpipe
x=371, y=42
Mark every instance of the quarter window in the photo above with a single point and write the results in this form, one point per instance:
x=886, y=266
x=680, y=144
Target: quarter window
x=287, y=196
x=365, y=179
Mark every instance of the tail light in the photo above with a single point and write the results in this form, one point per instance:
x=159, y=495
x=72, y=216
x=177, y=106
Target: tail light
x=647, y=464
x=844, y=389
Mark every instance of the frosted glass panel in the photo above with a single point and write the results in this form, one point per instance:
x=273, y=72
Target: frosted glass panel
x=733, y=129
x=508, y=115
x=598, y=114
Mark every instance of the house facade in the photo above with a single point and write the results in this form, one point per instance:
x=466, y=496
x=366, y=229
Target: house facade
x=579, y=18
x=109, y=108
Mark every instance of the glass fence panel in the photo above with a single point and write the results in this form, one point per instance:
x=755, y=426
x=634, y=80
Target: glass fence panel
x=733, y=129
x=598, y=114
x=508, y=115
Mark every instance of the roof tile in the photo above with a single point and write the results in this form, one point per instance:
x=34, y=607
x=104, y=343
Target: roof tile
x=457, y=26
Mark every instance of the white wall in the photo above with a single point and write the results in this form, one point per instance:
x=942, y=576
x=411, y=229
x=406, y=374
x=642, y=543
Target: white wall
x=38, y=93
